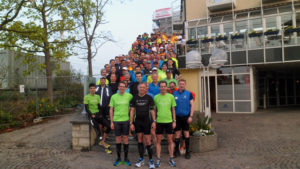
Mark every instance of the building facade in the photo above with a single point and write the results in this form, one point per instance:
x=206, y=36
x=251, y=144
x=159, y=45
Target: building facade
x=262, y=40
x=12, y=69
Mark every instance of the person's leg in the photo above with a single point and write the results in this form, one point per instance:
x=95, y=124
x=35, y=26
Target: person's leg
x=106, y=124
x=95, y=126
x=158, y=145
x=170, y=145
x=187, y=144
x=177, y=141
x=125, y=133
x=140, y=144
x=118, y=143
x=148, y=145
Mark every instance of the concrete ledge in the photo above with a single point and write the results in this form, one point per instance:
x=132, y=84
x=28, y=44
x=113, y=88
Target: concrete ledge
x=200, y=144
x=83, y=136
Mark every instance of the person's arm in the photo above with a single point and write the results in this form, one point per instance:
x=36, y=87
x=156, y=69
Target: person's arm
x=89, y=113
x=132, y=109
x=174, y=117
x=111, y=115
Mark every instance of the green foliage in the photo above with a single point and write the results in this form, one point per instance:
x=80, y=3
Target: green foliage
x=44, y=107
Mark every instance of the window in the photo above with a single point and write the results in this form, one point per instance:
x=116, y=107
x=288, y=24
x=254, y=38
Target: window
x=201, y=32
x=228, y=28
x=255, y=42
x=255, y=25
x=242, y=26
x=192, y=33
x=286, y=22
x=215, y=30
x=272, y=40
x=271, y=23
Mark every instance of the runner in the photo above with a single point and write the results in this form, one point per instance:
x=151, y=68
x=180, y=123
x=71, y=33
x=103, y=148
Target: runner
x=184, y=114
x=141, y=105
x=119, y=115
x=92, y=107
x=165, y=120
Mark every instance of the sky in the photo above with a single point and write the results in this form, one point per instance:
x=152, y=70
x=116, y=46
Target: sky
x=125, y=22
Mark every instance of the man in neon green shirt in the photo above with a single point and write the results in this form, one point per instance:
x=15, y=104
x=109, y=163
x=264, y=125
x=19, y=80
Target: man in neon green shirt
x=169, y=78
x=96, y=117
x=119, y=115
x=165, y=120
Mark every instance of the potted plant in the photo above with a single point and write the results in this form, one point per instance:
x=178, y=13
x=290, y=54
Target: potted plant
x=289, y=30
x=271, y=32
x=203, y=138
x=207, y=39
x=255, y=34
x=192, y=42
x=237, y=36
x=221, y=37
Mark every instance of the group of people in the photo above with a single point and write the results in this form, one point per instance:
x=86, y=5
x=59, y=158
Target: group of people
x=143, y=92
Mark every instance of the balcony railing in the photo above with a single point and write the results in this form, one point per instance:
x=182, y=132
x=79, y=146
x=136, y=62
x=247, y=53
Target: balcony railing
x=217, y=5
x=246, y=50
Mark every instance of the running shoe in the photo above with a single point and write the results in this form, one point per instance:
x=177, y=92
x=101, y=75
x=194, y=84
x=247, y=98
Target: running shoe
x=108, y=151
x=127, y=162
x=139, y=163
x=182, y=150
x=118, y=162
x=151, y=164
x=172, y=162
x=157, y=164
x=105, y=145
x=187, y=155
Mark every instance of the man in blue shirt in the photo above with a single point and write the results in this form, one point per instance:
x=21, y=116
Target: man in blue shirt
x=154, y=87
x=184, y=113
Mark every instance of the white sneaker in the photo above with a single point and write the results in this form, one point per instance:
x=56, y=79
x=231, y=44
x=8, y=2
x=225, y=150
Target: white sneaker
x=139, y=163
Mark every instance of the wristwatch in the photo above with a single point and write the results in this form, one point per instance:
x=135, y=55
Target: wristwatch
x=154, y=121
x=174, y=120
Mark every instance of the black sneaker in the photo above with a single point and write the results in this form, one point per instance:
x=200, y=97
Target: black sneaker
x=176, y=154
x=187, y=155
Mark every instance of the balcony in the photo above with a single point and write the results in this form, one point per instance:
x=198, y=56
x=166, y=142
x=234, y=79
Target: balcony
x=273, y=1
x=218, y=5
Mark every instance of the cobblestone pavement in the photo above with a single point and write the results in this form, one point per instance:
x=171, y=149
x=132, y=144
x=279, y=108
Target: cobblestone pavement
x=266, y=140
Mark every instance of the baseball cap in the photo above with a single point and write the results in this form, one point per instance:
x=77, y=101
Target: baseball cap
x=168, y=71
x=148, y=62
x=153, y=69
x=102, y=77
x=124, y=68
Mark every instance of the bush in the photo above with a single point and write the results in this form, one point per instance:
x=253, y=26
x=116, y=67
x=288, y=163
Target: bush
x=45, y=108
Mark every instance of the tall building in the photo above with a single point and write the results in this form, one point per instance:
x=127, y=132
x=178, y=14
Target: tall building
x=262, y=40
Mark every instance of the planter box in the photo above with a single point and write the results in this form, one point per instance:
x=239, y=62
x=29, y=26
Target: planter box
x=200, y=144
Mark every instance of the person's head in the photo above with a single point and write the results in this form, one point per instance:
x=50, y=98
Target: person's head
x=102, y=81
x=181, y=84
x=138, y=69
x=155, y=64
x=122, y=87
x=113, y=69
x=154, y=77
x=169, y=73
x=170, y=62
x=113, y=77
x=123, y=63
x=117, y=59
x=142, y=88
x=138, y=76
x=133, y=64
x=107, y=68
x=172, y=86
x=92, y=87
x=127, y=76
x=148, y=65
x=163, y=87
x=164, y=67
x=112, y=62
x=103, y=72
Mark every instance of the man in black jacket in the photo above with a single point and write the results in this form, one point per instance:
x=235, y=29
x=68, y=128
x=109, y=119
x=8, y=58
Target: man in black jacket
x=134, y=86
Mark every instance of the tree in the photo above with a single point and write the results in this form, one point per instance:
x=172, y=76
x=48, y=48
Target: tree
x=89, y=15
x=48, y=21
x=9, y=10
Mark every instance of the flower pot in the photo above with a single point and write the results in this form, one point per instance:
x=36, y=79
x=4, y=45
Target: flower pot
x=200, y=144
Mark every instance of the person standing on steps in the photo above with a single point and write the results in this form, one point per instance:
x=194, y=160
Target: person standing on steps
x=92, y=107
x=184, y=115
x=165, y=120
x=119, y=115
x=141, y=105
